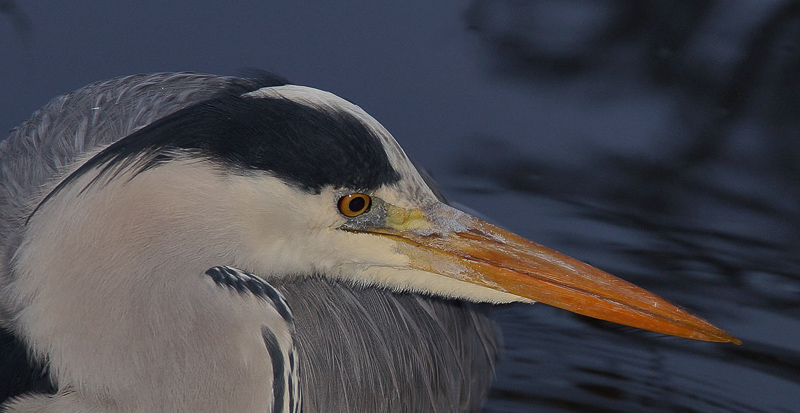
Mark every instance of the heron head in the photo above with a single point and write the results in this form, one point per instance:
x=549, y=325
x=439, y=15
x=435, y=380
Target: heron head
x=290, y=181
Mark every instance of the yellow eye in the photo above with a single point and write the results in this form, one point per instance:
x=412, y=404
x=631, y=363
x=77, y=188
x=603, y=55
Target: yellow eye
x=354, y=205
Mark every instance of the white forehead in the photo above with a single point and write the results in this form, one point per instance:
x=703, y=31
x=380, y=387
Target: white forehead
x=411, y=186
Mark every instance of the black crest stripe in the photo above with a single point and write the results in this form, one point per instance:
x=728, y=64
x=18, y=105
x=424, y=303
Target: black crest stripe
x=306, y=146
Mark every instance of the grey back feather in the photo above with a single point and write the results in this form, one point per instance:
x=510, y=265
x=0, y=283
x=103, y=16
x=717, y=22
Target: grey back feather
x=359, y=349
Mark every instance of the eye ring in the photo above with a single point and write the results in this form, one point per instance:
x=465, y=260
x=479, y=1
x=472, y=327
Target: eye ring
x=355, y=204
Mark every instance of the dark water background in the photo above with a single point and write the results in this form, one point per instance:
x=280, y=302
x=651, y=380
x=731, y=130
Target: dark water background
x=658, y=140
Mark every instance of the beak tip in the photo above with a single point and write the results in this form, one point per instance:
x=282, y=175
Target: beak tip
x=731, y=339
x=715, y=334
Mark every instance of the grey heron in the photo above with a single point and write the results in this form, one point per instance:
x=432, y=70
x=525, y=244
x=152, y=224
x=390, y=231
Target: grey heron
x=186, y=242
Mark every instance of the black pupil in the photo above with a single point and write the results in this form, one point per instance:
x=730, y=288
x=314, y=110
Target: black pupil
x=357, y=204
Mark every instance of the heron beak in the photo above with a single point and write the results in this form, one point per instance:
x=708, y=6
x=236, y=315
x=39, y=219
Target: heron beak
x=446, y=241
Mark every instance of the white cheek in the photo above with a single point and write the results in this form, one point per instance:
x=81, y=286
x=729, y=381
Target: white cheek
x=288, y=232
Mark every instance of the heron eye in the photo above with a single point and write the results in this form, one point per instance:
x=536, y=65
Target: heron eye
x=354, y=204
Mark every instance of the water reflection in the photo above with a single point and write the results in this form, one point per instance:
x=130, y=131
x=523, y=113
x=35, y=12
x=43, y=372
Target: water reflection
x=19, y=20
x=707, y=216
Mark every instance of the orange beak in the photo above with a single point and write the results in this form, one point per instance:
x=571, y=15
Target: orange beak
x=445, y=241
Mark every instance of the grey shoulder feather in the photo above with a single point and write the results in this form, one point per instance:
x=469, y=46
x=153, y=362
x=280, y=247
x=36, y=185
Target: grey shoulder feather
x=73, y=125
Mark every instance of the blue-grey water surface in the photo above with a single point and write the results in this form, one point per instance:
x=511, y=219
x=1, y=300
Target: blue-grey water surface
x=658, y=140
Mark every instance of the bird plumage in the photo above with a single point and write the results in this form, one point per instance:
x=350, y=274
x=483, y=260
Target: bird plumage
x=359, y=349
x=152, y=225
